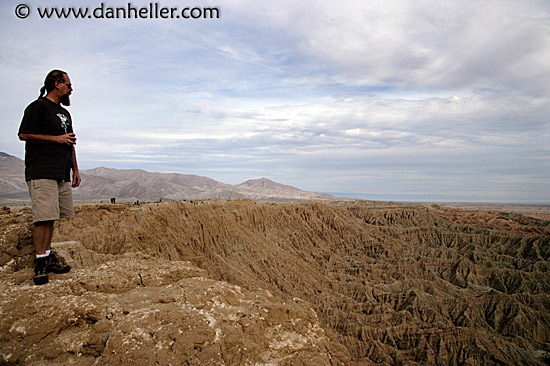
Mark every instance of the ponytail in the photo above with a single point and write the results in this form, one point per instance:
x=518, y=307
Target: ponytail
x=52, y=77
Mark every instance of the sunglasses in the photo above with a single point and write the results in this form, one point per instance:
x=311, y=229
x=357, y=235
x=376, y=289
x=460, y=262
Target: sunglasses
x=68, y=85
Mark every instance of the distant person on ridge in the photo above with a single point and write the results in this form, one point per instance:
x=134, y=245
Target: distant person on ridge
x=50, y=156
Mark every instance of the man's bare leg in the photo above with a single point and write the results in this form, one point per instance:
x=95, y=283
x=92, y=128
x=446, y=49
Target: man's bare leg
x=42, y=236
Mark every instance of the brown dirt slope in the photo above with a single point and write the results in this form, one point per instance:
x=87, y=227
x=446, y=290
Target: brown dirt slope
x=399, y=284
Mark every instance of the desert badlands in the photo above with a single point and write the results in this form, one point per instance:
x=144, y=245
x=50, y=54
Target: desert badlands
x=238, y=282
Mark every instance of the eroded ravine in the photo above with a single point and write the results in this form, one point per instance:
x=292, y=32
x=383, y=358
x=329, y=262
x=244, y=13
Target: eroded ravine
x=397, y=283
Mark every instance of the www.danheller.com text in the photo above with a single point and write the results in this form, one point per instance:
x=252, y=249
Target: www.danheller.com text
x=130, y=11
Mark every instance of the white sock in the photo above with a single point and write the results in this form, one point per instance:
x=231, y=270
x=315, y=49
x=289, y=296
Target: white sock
x=48, y=252
x=41, y=256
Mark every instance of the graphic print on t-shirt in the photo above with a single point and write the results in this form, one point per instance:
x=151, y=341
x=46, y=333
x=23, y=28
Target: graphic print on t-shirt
x=64, y=120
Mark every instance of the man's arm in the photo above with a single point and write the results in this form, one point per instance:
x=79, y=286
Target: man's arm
x=76, y=173
x=67, y=139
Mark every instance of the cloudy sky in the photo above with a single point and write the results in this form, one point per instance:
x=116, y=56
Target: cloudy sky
x=434, y=100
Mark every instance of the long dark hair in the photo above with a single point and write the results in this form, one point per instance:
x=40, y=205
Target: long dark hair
x=51, y=78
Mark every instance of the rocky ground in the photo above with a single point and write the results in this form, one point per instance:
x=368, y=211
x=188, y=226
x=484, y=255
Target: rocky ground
x=246, y=283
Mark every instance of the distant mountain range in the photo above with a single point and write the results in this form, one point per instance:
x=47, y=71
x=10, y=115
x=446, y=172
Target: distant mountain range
x=135, y=184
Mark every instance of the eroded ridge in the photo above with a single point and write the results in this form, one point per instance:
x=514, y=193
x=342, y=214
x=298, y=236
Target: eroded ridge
x=397, y=283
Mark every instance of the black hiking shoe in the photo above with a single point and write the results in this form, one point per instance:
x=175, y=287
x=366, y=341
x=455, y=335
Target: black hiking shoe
x=40, y=274
x=56, y=265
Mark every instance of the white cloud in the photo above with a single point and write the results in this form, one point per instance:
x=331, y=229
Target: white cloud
x=418, y=44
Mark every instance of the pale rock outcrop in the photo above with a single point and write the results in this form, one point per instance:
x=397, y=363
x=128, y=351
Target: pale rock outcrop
x=134, y=309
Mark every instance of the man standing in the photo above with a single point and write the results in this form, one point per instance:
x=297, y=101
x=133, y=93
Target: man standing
x=50, y=156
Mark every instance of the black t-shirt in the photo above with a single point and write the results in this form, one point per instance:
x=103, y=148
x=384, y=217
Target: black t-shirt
x=47, y=160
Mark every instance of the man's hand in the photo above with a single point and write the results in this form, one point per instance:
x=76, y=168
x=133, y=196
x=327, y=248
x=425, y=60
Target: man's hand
x=76, y=179
x=67, y=139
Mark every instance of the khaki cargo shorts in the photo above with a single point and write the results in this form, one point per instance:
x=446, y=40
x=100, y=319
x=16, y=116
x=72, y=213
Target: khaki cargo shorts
x=51, y=199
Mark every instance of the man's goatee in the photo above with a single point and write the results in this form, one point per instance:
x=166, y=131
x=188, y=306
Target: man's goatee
x=65, y=100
